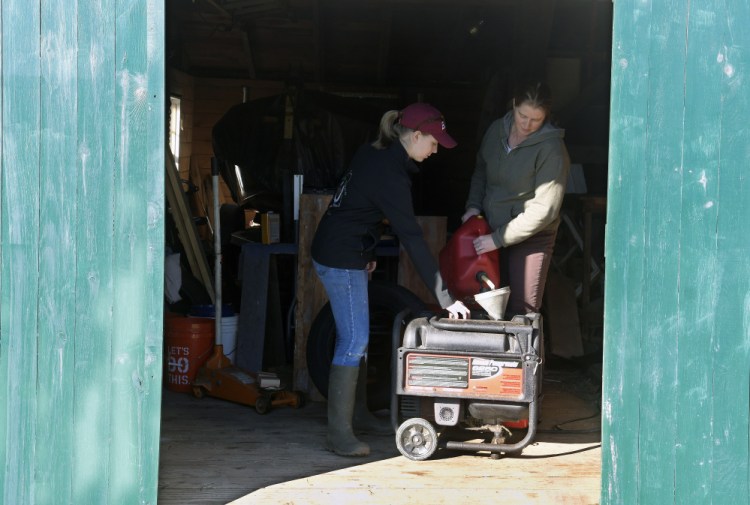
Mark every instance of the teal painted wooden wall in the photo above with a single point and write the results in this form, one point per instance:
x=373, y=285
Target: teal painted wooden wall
x=81, y=220
x=677, y=296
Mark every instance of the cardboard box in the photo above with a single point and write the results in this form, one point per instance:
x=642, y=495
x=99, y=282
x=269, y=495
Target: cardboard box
x=267, y=380
x=270, y=223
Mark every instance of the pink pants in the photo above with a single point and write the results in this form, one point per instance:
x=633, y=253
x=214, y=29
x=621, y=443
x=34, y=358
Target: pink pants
x=524, y=268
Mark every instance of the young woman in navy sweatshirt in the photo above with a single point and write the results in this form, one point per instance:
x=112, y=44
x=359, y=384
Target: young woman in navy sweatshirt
x=376, y=188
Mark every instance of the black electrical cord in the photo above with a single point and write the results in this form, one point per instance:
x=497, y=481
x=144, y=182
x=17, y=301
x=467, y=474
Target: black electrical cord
x=558, y=429
x=568, y=453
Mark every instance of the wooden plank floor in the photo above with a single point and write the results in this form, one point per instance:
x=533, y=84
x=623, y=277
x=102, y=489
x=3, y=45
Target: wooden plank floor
x=217, y=452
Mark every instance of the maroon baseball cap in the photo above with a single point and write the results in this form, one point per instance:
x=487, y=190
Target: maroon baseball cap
x=427, y=119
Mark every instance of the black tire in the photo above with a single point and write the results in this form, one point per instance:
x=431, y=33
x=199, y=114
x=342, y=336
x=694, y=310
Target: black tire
x=299, y=400
x=386, y=299
x=262, y=404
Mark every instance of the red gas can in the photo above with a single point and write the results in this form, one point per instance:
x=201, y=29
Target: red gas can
x=459, y=262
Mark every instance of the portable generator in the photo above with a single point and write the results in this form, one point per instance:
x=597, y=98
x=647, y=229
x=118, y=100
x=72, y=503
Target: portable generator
x=461, y=380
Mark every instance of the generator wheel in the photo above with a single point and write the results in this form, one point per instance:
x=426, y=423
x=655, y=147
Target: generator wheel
x=387, y=300
x=416, y=439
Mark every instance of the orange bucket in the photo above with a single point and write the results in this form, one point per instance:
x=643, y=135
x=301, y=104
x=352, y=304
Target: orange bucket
x=188, y=343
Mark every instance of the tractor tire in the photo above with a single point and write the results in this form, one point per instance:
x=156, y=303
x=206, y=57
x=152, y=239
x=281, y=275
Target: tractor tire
x=386, y=300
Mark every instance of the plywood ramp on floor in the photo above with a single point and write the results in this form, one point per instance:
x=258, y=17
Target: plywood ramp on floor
x=215, y=452
x=548, y=473
x=561, y=467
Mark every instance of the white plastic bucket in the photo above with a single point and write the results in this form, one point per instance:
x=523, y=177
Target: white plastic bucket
x=229, y=329
x=229, y=326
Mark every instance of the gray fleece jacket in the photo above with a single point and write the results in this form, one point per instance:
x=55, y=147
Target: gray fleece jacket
x=520, y=191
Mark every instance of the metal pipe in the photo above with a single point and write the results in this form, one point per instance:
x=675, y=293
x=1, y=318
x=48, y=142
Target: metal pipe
x=437, y=339
x=478, y=325
x=217, y=251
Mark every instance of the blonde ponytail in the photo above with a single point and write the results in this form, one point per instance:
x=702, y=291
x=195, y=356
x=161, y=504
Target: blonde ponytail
x=389, y=130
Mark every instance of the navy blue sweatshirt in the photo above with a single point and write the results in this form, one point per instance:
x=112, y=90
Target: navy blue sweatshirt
x=377, y=187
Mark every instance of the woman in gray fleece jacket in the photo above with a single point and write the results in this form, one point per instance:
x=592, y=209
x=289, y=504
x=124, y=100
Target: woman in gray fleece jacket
x=518, y=184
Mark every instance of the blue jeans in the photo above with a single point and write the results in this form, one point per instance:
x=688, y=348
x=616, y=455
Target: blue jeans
x=347, y=292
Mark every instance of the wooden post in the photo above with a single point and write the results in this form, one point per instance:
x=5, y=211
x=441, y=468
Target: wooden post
x=310, y=293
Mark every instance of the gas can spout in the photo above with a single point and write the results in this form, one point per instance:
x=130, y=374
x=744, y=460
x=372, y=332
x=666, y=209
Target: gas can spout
x=484, y=280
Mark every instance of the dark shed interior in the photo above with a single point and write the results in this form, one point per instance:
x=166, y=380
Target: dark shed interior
x=365, y=57
x=283, y=87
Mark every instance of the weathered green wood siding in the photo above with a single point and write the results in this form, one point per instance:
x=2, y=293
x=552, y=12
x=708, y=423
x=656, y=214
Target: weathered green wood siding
x=81, y=228
x=677, y=296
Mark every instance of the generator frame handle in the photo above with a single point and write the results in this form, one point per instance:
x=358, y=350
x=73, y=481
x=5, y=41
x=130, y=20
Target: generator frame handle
x=510, y=328
x=486, y=326
x=398, y=322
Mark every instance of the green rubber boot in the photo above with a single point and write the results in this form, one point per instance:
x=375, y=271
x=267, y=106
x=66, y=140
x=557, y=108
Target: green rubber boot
x=342, y=384
x=363, y=420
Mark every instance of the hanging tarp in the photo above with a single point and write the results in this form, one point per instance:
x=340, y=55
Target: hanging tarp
x=258, y=157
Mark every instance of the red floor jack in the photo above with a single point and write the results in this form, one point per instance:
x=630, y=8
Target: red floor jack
x=219, y=377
